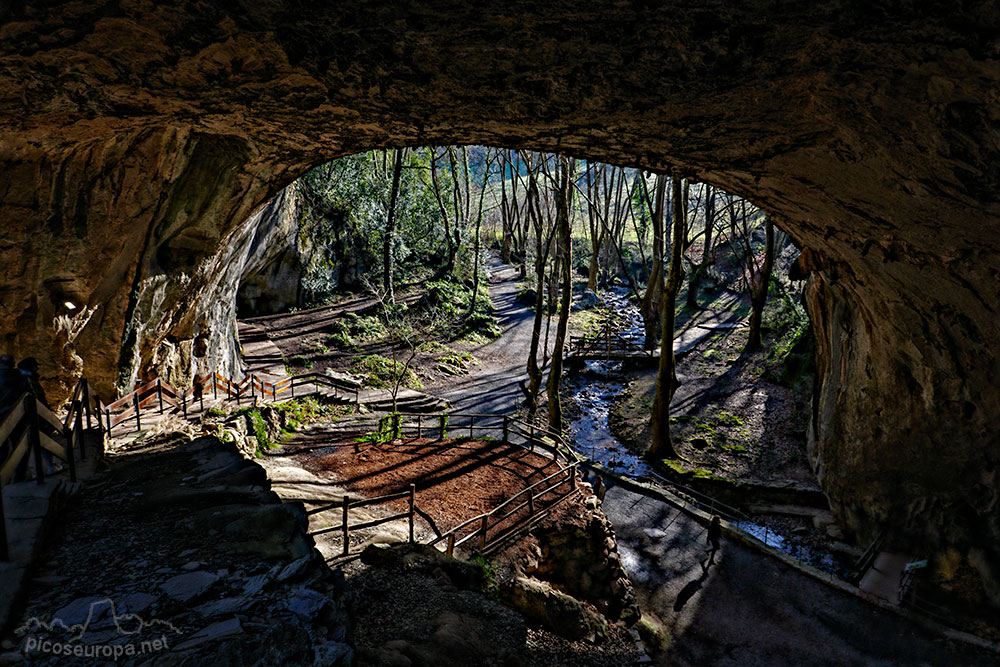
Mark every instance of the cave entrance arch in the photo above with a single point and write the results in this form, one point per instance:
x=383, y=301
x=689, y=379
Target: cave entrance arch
x=134, y=138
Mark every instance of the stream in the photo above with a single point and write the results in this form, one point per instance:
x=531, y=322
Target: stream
x=594, y=388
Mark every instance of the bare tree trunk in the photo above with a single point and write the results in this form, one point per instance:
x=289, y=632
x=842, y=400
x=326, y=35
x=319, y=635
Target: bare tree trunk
x=447, y=269
x=476, y=243
x=666, y=379
x=390, y=227
x=758, y=289
x=698, y=272
x=654, y=289
x=563, y=224
x=534, y=215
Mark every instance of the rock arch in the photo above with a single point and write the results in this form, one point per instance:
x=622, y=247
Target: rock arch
x=135, y=139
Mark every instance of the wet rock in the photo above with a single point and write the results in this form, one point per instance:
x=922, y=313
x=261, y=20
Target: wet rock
x=587, y=300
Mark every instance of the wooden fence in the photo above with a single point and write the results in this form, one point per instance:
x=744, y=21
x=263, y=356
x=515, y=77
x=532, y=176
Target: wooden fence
x=32, y=428
x=607, y=345
x=515, y=514
x=160, y=395
x=347, y=504
x=508, y=429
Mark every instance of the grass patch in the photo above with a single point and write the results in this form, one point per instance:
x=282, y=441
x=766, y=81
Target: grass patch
x=378, y=372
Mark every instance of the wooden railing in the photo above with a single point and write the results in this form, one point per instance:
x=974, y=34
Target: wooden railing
x=517, y=512
x=509, y=429
x=607, y=344
x=160, y=395
x=347, y=504
x=32, y=428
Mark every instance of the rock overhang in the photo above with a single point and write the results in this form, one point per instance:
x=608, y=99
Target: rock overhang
x=137, y=139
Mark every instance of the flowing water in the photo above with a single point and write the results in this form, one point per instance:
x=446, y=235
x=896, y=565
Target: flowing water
x=594, y=388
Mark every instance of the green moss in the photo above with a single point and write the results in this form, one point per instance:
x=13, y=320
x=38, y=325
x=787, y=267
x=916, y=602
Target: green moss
x=380, y=373
x=728, y=419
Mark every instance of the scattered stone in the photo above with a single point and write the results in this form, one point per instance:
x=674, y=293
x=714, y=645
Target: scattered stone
x=77, y=611
x=331, y=653
x=307, y=603
x=256, y=584
x=542, y=605
x=186, y=587
x=295, y=568
x=192, y=565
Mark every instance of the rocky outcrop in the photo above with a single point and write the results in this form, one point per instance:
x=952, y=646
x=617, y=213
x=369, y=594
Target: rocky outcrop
x=580, y=558
x=137, y=139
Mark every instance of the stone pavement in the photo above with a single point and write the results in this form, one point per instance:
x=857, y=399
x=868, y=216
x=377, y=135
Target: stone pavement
x=752, y=609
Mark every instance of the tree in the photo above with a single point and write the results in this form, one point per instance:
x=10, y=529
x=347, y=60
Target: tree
x=698, y=269
x=654, y=289
x=390, y=226
x=564, y=195
x=666, y=378
x=744, y=221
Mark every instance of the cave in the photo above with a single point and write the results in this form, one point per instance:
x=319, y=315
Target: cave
x=138, y=139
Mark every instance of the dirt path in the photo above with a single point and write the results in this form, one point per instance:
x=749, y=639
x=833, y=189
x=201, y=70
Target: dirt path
x=750, y=609
x=492, y=387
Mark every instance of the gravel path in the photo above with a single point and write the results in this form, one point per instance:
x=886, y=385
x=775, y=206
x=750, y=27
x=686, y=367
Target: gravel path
x=750, y=609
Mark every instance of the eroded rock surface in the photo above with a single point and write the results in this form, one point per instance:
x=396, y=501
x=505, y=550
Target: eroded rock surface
x=137, y=138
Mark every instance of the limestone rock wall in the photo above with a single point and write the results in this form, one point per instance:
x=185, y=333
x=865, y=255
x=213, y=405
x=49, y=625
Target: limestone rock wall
x=136, y=139
x=271, y=277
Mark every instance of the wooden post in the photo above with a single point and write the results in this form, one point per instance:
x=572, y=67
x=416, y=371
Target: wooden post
x=291, y=384
x=346, y=529
x=31, y=417
x=274, y=394
x=4, y=551
x=135, y=404
x=86, y=401
x=215, y=387
x=472, y=424
x=396, y=417
x=107, y=415
x=420, y=426
x=159, y=393
x=482, y=534
x=506, y=427
x=531, y=437
x=451, y=544
x=413, y=493
x=78, y=429
x=531, y=504
x=569, y=476
x=70, y=459
x=442, y=427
